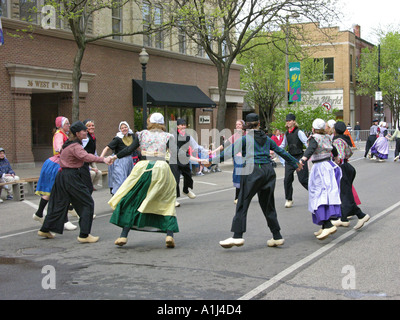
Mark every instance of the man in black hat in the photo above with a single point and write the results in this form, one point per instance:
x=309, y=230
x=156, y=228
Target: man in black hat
x=258, y=177
x=70, y=186
x=181, y=164
x=373, y=132
x=294, y=139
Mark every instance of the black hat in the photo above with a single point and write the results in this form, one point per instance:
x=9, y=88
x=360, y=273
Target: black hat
x=252, y=117
x=180, y=122
x=77, y=126
x=290, y=117
x=340, y=127
x=376, y=120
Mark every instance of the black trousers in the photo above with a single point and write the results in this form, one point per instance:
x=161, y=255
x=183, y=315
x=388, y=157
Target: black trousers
x=177, y=170
x=397, y=149
x=70, y=186
x=260, y=181
x=348, y=206
x=370, y=141
x=289, y=178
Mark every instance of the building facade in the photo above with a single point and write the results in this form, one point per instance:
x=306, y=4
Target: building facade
x=36, y=84
x=341, y=53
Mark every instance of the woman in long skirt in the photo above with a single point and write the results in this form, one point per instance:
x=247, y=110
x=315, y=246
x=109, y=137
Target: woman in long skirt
x=146, y=200
x=380, y=149
x=324, y=180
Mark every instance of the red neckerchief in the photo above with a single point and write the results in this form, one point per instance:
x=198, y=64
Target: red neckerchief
x=291, y=130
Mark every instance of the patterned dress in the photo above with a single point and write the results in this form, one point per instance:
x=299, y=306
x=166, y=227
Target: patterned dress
x=146, y=200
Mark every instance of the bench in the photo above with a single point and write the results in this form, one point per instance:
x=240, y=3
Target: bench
x=19, y=187
x=31, y=183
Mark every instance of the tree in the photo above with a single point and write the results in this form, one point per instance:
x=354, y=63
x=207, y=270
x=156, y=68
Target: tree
x=224, y=28
x=264, y=74
x=78, y=14
x=370, y=77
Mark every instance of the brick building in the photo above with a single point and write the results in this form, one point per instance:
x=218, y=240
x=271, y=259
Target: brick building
x=35, y=82
x=341, y=52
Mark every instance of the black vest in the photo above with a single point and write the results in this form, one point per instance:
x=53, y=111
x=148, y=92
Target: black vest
x=295, y=146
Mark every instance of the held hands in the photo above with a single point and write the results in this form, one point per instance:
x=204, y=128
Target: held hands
x=110, y=160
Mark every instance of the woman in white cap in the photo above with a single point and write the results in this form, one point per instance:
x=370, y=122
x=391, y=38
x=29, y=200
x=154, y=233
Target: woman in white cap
x=380, y=149
x=324, y=181
x=71, y=187
x=146, y=200
x=122, y=167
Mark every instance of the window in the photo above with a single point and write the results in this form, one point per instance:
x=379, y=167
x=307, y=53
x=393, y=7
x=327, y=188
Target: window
x=158, y=21
x=27, y=10
x=351, y=68
x=329, y=72
x=182, y=39
x=3, y=8
x=146, y=14
x=116, y=22
x=329, y=68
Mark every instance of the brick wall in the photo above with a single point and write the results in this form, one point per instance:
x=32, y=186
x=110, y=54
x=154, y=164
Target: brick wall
x=109, y=100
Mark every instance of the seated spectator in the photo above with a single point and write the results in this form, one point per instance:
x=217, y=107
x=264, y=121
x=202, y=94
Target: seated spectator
x=6, y=173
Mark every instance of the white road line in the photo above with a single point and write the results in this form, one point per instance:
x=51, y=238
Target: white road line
x=266, y=285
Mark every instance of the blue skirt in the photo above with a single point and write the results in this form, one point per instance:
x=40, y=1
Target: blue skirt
x=47, y=177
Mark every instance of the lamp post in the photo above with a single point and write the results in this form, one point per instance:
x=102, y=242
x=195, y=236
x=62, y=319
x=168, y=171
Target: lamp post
x=144, y=59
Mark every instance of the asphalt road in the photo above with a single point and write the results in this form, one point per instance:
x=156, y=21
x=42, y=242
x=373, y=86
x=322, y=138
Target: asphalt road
x=347, y=265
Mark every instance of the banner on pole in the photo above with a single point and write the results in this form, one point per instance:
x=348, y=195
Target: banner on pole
x=1, y=34
x=295, y=82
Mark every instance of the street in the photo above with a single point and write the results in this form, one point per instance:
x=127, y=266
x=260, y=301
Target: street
x=350, y=264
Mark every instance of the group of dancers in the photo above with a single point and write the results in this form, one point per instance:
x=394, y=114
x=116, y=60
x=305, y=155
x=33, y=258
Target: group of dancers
x=144, y=198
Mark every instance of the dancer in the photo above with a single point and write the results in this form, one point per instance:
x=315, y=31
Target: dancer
x=70, y=187
x=146, y=200
x=89, y=145
x=380, y=149
x=396, y=136
x=122, y=167
x=50, y=169
x=373, y=132
x=180, y=163
x=324, y=181
x=258, y=177
x=237, y=159
x=294, y=139
x=349, y=206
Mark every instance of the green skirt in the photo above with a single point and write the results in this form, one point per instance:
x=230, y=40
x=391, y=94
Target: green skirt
x=126, y=213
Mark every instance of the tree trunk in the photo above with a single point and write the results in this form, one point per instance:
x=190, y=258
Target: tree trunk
x=76, y=72
x=223, y=76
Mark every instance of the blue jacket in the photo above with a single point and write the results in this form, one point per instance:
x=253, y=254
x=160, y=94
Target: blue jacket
x=5, y=167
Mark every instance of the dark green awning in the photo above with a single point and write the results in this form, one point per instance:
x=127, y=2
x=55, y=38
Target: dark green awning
x=170, y=94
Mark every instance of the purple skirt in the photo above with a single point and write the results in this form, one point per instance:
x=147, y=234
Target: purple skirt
x=326, y=211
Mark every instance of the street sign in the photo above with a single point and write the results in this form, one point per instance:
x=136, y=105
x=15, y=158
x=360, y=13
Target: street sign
x=378, y=96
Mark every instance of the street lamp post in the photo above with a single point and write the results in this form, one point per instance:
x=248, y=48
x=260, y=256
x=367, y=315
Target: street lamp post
x=144, y=59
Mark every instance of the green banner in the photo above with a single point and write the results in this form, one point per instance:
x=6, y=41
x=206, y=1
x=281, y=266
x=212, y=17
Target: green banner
x=295, y=82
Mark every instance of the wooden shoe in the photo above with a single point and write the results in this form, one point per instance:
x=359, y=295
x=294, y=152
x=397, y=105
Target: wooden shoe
x=231, y=242
x=88, y=239
x=190, y=194
x=275, y=243
x=361, y=222
x=289, y=204
x=47, y=235
x=177, y=204
x=326, y=232
x=121, y=241
x=37, y=218
x=318, y=232
x=169, y=242
x=340, y=223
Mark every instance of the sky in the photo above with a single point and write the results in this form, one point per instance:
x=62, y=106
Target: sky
x=370, y=15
